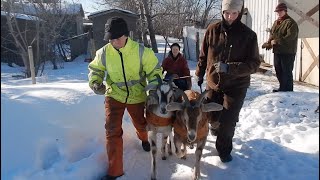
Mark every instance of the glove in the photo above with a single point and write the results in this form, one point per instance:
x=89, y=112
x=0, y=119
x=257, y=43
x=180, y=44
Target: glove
x=175, y=76
x=221, y=67
x=99, y=89
x=200, y=81
x=267, y=45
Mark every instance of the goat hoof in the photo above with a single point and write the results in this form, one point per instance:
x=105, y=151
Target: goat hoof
x=170, y=153
x=184, y=157
x=164, y=158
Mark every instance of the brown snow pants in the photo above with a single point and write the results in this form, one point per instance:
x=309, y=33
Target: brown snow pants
x=114, y=112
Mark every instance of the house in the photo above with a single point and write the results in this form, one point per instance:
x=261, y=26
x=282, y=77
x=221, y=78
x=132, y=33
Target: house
x=73, y=13
x=27, y=26
x=100, y=18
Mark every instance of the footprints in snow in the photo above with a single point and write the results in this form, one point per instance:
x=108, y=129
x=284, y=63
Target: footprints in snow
x=49, y=152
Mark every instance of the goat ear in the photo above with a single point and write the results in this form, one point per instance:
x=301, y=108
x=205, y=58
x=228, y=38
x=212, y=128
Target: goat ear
x=152, y=100
x=150, y=87
x=211, y=107
x=174, y=106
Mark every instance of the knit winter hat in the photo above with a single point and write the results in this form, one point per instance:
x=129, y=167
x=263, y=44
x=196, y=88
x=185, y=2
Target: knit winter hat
x=115, y=28
x=232, y=4
x=175, y=44
x=281, y=7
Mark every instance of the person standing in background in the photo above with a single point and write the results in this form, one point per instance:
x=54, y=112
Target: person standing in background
x=177, y=67
x=283, y=40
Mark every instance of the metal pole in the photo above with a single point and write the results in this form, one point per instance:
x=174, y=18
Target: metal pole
x=131, y=34
x=30, y=53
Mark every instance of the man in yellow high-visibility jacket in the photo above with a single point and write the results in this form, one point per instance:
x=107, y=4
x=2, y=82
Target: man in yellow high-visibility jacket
x=128, y=66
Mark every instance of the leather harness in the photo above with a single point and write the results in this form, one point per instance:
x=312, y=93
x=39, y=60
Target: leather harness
x=158, y=121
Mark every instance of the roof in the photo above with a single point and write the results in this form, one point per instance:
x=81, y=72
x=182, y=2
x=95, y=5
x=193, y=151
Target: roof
x=22, y=16
x=107, y=11
x=64, y=8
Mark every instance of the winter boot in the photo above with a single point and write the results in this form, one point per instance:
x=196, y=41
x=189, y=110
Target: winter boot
x=108, y=177
x=226, y=158
x=146, y=146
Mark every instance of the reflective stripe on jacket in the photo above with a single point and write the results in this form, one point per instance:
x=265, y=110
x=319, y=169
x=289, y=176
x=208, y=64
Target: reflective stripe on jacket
x=125, y=74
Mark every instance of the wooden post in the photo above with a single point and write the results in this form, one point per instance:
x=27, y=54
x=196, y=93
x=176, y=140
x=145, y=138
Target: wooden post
x=30, y=53
x=197, y=46
x=301, y=69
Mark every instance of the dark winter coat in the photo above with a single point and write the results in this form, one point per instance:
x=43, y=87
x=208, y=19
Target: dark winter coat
x=178, y=65
x=235, y=45
x=285, y=33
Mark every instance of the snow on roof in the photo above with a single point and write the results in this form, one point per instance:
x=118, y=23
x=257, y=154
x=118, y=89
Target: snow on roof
x=87, y=24
x=104, y=11
x=22, y=16
x=65, y=8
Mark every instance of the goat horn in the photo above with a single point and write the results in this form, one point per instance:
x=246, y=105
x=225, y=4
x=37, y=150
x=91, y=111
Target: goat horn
x=201, y=97
x=183, y=94
x=158, y=78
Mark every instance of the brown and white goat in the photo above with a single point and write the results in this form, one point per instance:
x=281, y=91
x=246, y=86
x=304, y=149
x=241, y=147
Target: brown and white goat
x=191, y=124
x=159, y=119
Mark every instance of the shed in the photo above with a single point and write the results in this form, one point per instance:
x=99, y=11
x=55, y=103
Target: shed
x=27, y=27
x=100, y=18
x=260, y=15
x=72, y=12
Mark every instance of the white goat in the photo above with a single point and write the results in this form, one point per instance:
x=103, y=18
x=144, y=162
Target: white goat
x=159, y=119
x=191, y=124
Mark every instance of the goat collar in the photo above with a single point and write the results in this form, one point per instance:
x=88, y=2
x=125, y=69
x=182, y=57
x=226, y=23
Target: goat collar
x=182, y=131
x=158, y=121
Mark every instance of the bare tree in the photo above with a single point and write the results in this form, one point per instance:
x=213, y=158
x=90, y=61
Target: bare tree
x=147, y=8
x=143, y=9
x=19, y=32
x=168, y=17
x=48, y=21
x=142, y=24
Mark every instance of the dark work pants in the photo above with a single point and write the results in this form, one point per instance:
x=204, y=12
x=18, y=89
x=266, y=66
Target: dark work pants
x=283, y=64
x=181, y=83
x=232, y=102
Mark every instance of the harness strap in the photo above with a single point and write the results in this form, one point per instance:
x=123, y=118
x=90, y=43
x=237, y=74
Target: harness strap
x=104, y=57
x=158, y=121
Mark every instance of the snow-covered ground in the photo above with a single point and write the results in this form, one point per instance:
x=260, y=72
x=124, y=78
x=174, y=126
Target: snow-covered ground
x=54, y=130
